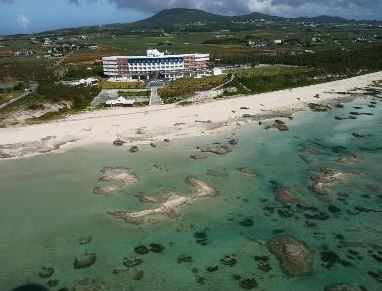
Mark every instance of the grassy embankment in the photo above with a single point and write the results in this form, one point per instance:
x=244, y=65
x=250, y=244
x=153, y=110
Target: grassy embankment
x=180, y=89
x=78, y=99
x=245, y=81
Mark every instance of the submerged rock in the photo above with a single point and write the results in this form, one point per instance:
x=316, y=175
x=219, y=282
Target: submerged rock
x=129, y=263
x=342, y=287
x=318, y=107
x=85, y=240
x=138, y=275
x=286, y=195
x=246, y=222
x=46, y=272
x=351, y=158
x=325, y=178
x=233, y=141
x=247, y=171
x=358, y=135
x=280, y=125
x=133, y=149
x=198, y=156
x=118, y=174
x=84, y=261
x=229, y=261
x=294, y=256
x=248, y=283
x=118, y=142
x=219, y=149
x=141, y=250
x=184, y=259
x=52, y=283
x=213, y=173
x=160, y=168
x=106, y=190
x=156, y=248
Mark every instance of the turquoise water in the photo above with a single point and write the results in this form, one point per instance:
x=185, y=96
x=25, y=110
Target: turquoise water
x=47, y=205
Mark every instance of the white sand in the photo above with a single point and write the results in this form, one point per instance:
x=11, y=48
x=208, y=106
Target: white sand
x=158, y=122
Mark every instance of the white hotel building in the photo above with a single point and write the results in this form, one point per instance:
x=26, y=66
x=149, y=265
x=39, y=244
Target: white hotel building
x=156, y=63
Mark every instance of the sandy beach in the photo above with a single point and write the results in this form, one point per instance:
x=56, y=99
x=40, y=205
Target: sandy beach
x=156, y=123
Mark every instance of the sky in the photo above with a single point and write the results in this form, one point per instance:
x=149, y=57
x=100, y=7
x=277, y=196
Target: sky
x=29, y=16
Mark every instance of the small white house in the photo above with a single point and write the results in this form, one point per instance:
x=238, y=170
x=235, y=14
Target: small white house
x=217, y=71
x=121, y=101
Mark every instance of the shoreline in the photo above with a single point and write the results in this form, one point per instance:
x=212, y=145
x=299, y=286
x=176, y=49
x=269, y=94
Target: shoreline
x=153, y=124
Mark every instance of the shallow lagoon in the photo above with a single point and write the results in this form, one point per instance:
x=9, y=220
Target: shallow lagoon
x=47, y=205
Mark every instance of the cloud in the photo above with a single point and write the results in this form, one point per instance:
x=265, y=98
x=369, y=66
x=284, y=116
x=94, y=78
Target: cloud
x=277, y=7
x=22, y=20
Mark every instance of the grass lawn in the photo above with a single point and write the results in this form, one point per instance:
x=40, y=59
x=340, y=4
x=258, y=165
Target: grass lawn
x=121, y=85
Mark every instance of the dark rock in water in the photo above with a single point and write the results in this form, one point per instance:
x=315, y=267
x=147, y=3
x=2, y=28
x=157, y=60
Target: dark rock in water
x=351, y=158
x=229, y=261
x=248, y=171
x=354, y=113
x=198, y=156
x=138, y=275
x=199, y=279
x=141, y=250
x=213, y=173
x=233, y=141
x=184, y=259
x=84, y=261
x=376, y=275
x=46, y=272
x=333, y=209
x=246, y=222
x=318, y=107
x=236, y=277
x=201, y=238
x=294, y=256
x=118, y=142
x=352, y=117
x=166, y=140
x=339, y=105
x=248, y=283
x=85, y=240
x=153, y=145
x=286, y=195
x=244, y=108
x=357, y=107
x=263, y=263
x=156, y=248
x=330, y=258
x=220, y=149
x=132, y=262
x=357, y=134
x=280, y=125
x=134, y=149
x=342, y=287
x=160, y=168
x=52, y=283
x=212, y=269
x=340, y=118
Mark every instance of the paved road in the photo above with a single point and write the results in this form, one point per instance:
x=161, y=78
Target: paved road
x=154, y=97
x=31, y=90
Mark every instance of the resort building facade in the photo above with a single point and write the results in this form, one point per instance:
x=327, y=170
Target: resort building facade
x=156, y=64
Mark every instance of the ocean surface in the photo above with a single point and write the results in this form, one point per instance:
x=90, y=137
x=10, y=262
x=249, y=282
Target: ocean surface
x=215, y=243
